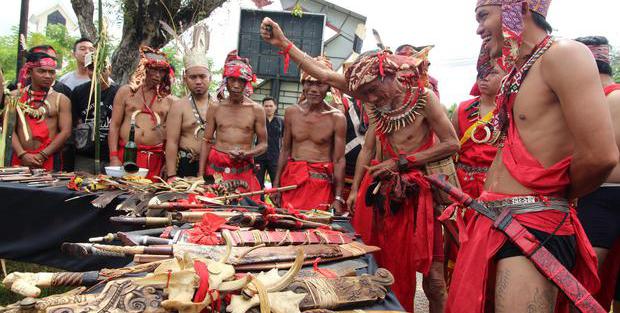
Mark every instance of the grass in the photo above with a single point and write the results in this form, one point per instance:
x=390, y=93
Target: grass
x=8, y=297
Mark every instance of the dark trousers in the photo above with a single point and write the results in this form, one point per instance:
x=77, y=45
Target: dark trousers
x=269, y=166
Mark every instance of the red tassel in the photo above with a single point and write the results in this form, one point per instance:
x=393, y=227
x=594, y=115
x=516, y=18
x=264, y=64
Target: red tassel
x=287, y=56
x=381, y=57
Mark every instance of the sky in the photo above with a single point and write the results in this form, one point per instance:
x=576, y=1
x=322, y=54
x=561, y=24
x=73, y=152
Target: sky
x=449, y=25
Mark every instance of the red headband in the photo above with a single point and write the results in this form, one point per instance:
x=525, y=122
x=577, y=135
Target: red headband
x=43, y=62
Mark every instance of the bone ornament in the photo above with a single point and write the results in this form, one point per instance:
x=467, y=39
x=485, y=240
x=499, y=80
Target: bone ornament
x=27, y=284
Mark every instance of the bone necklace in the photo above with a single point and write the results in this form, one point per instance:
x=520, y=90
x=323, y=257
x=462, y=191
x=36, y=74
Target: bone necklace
x=388, y=121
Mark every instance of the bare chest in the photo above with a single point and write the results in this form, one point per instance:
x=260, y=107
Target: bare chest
x=136, y=102
x=316, y=128
x=228, y=117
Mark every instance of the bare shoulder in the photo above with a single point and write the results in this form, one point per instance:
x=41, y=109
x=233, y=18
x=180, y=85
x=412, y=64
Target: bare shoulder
x=171, y=99
x=566, y=53
x=335, y=113
x=291, y=110
x=61, y=97
x=124, y=89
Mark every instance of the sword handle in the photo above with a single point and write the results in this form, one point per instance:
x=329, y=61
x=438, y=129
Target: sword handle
x=441, y=181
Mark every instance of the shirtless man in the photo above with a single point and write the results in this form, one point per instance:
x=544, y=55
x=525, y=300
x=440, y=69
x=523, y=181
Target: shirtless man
x=554, y=150
x=47, y=114
x=598, y=211
x=147, y=99
x=236, y=119
x=407, y=119
x=186, y=120
x=312, y=155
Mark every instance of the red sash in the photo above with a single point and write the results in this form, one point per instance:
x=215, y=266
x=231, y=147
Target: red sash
x=150, y=157
x=41, y=133
x=220, y=163
x=405, y=237
x=314, y=185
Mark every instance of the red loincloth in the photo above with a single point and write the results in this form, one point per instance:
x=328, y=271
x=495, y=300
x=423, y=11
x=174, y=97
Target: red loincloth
x=150, y=157
x=611, y=265
x=220, y=163
x=480, y=241
x=406, y=237
x=41, y=133
x=314, y=185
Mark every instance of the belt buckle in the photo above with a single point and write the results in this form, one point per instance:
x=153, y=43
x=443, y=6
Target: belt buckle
x=523, y=200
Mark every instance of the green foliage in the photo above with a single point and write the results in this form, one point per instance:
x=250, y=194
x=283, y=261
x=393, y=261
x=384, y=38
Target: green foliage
x=56, y=35
x=452, y=109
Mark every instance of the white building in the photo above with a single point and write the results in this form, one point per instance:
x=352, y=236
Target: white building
x=55, y=14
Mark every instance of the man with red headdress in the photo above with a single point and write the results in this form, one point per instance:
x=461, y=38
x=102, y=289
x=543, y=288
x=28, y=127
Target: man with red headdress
x=598, y=211
x=471, y=121
x=145, y=101
x=44, y=122
x=236, y=119
x=553, y=150
x=392, y=200
x=312, y=155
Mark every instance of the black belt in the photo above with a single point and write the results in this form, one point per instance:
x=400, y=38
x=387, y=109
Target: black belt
x=231, y=170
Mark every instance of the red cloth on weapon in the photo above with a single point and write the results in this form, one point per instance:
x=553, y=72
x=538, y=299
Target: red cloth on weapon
x=221, y=163
x=314, y=185
x=471, y=154
x=205, y=232
x=406, y=237
x=150, y=157
x=481, y=241
x=611, y=265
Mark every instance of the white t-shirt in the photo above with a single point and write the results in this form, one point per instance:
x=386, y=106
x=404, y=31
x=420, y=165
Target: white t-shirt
x=72, y=80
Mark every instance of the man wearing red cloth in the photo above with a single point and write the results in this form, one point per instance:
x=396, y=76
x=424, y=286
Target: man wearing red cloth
x=312, y=155
x=598, y=211
x=554, y=150
x=393, y=203
x=470, y=122
x=146, y=99
x=46, y=113
x=236, y=119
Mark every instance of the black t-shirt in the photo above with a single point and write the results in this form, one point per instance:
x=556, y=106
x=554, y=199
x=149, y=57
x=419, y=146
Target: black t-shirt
x=275, y=131
x=79, y=108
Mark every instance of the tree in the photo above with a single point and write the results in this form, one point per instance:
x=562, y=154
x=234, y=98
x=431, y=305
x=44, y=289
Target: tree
x=55, y=35
x=141, y=26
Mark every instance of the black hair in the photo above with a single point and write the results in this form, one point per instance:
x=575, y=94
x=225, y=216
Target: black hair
x=541, y=22
x=603, y=68
x=83, y=39
x=268, y=98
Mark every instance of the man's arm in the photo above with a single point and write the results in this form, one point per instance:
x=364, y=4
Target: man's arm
x=455, y=122
x=440, y=124
x=118, y=113
x=287, y=142
x=26, y=159
x=570, y=71
x=315, y=69
x=261, y=132
x=366, y=155
x=338, y=158
x=174, y=122
x=64, y=127
x=208, y=139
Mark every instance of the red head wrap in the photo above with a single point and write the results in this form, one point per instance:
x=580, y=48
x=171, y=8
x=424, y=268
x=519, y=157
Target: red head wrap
x=238, y=67
x=512, y=24
x=37, y=57
x=411, y=70
x=601, y=53
x=152, y=58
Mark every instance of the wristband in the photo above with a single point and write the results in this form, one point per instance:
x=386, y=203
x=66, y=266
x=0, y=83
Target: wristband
x=44, y=155
x=339, y=199
x=287, y=56
x=113, y=154
x=19, y=156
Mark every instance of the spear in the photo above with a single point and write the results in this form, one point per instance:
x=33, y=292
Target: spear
x=95, y=91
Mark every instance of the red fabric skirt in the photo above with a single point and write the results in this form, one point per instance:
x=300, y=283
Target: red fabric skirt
x=314, y=185
x=220, y=163
x=40, y=132
x=406, y=237
x=48, y=164
x=480, y=242
x=150, y=157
